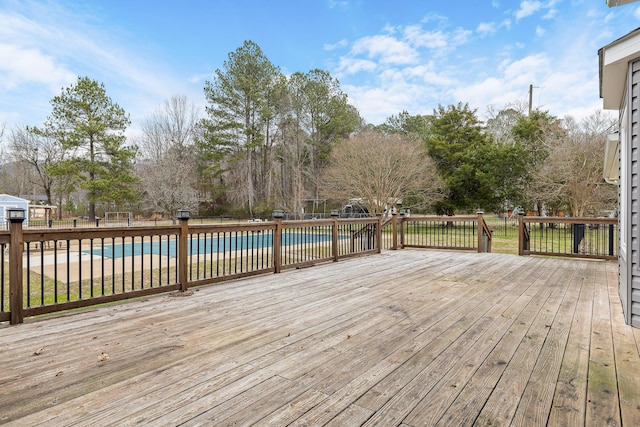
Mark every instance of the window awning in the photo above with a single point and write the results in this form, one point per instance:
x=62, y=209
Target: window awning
x=612, y=159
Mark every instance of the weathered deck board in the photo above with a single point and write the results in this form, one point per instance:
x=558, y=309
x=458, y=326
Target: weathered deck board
x=603, y=405
x=627, y=358
x=537, y=399
x=403, y=338
x=571, y=390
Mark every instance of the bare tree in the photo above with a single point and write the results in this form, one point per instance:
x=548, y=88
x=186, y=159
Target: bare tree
x=172, y=126
x=572, y=175
x=500, y=124
x=168, y=173
x=381, y=168
x=170, y=184
x=39, y=152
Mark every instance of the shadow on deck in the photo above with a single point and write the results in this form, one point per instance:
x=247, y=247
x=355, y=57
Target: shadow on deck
x=404, y=338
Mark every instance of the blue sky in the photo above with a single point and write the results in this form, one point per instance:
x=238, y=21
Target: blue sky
x=389, y=56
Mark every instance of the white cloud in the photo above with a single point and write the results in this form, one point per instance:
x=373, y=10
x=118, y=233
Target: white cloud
x=485, y=28
x=341, y=43
x=528, y=8
x=434, y=17
x=378, y=103
x=20, y=66
x=46, y=47
x=428, y=39
x=342, y=4
x=200, y=78
x=354, y=65
x=436, y=40
x=428, y=74
x=388, y=50
x=540, y=31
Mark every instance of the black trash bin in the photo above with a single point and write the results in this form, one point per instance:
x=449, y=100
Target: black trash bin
x=578, y=236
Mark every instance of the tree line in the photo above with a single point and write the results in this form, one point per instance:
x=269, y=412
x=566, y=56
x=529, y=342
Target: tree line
x=269, y=141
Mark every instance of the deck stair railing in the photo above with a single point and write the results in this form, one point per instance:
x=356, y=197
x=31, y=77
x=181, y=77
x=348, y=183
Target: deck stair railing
x=459, y=232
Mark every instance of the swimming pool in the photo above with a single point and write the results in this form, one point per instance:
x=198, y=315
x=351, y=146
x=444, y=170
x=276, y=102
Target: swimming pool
x=207, y=245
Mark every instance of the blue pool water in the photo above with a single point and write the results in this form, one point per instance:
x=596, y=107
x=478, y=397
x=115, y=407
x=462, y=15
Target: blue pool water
x=207, y=245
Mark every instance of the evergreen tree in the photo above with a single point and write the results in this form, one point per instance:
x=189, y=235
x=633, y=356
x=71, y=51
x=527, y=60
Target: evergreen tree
x=234, y=139
x=90, y=127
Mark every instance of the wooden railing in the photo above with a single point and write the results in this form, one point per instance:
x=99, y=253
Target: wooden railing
x=49, y=270
x=571, y=237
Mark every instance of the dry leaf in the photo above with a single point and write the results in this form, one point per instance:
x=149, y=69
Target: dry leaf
x=38, y=352
x=59, y=373
x=103, y=357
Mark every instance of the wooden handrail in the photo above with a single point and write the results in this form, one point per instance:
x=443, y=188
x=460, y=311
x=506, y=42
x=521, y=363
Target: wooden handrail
x=483, y=230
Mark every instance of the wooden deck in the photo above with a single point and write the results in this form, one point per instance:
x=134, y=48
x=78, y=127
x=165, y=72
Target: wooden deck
x=403, y=338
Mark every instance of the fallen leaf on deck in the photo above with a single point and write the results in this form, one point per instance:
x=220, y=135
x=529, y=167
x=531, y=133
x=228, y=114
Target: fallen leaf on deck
x=38, y=352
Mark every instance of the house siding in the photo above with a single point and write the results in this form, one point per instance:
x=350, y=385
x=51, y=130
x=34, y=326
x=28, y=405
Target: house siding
x=632, y=294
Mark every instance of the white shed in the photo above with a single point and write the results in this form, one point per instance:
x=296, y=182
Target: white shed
x=7, y=202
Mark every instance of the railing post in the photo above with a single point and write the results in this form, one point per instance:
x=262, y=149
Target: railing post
x=480, y=231
x=16, y=243
x=277, y=246
x=183, y=253
x=394, y=230
x=334, y=237
x=520, y=233
x=277, y=241
x=402, y=226
x=379, y=235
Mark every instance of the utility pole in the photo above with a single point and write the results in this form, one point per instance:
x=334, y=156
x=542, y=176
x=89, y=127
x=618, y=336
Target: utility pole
x=530, y=99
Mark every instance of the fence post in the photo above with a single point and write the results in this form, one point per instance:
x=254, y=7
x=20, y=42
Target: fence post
x=480, y=231
x=334, y=235
x=379, y=235
x=520, y=233
x=183, y=255
x=277, y=246
x=394, y=230
x=16, y=243
x=402, y=225
x=277, y=240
